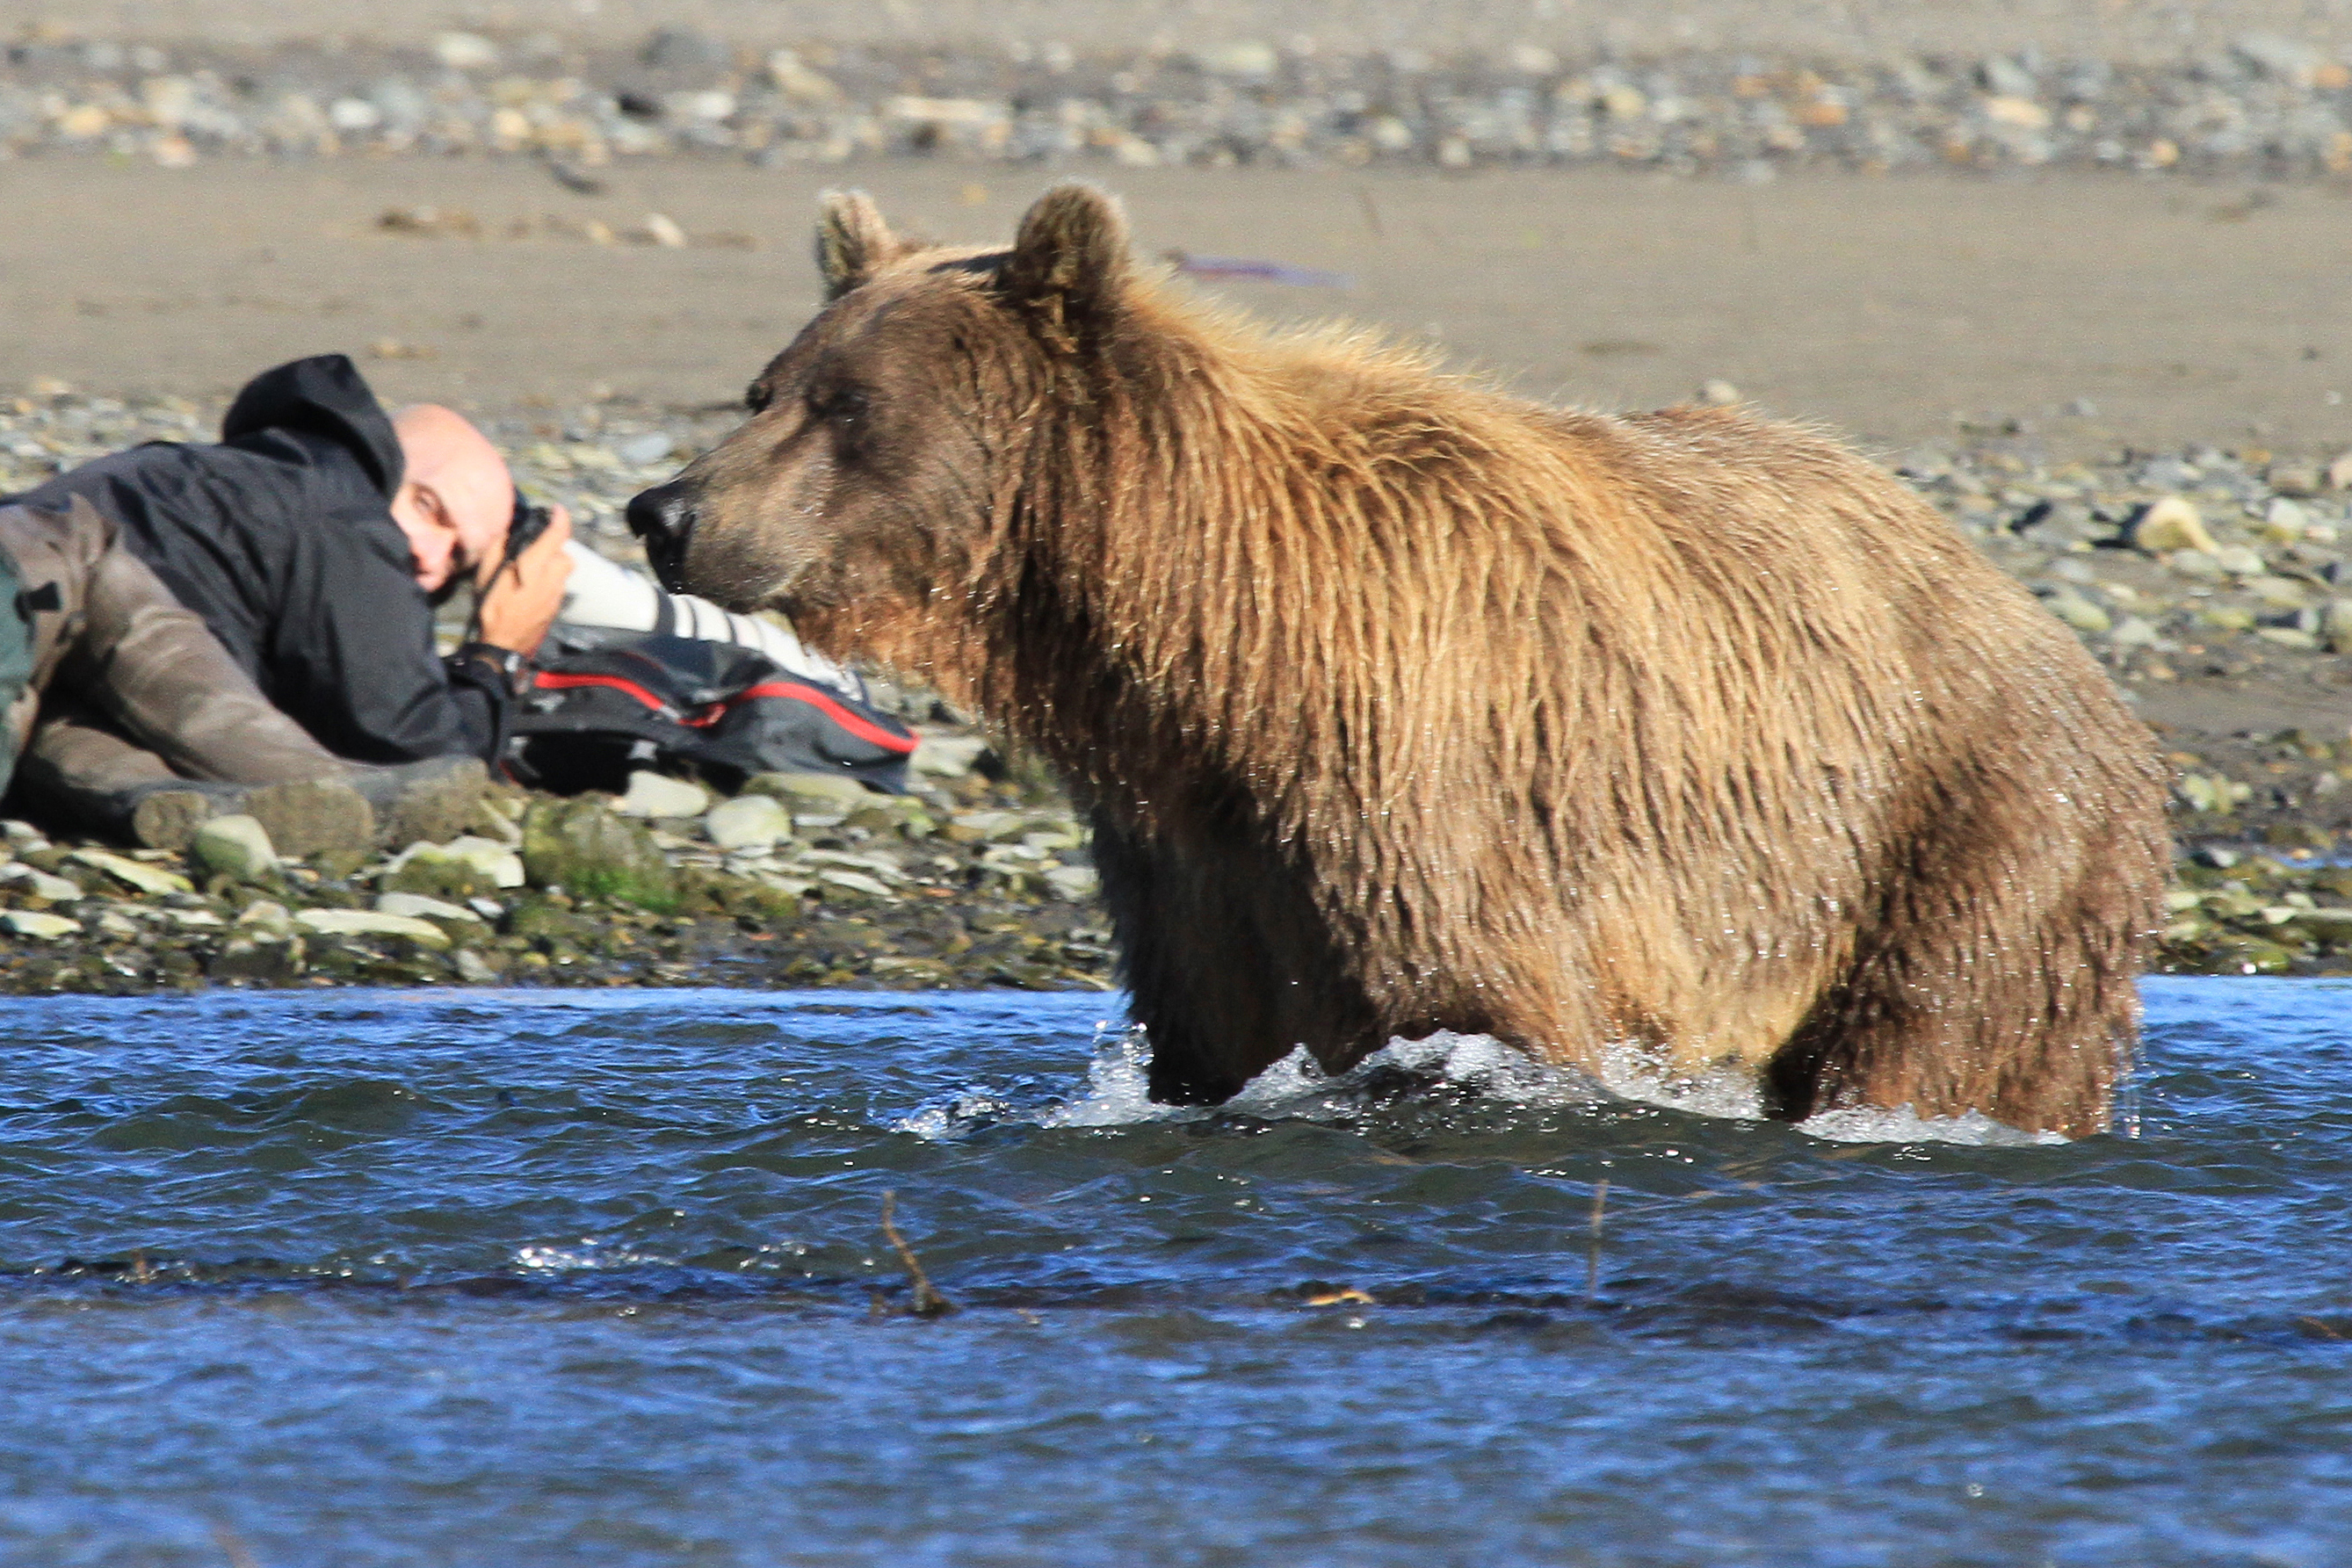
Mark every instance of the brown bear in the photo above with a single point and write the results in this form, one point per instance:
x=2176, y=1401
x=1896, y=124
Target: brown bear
x=1401, y=705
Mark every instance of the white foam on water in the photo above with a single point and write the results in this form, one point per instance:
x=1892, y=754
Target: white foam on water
x=1872, y=1125
x=1118, y=1092
x=1118, y=1087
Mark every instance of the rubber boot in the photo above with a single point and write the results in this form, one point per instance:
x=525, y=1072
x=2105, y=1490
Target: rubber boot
x=431, y=802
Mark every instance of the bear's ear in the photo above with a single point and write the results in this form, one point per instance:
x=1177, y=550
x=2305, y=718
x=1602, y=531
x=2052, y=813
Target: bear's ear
x=852, y=242
x=1070, y=256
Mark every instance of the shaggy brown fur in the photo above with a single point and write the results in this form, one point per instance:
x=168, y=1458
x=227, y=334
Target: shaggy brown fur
x=1401, y=705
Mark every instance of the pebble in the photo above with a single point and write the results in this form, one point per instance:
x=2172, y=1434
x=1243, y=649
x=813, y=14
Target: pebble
x=657, y=796
x=2171, y=523
x=369, y=923
x=41, y=927
x=145, y=878
x=416, y=906
x=234, y=846
x=747, y=821
x=41, y=884
x=2270, y=106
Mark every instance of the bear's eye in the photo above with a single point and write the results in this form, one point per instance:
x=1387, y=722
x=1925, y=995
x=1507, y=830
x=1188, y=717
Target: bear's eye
x=839, y=405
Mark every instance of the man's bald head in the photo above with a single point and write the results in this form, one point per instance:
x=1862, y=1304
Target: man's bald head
x=456, y=498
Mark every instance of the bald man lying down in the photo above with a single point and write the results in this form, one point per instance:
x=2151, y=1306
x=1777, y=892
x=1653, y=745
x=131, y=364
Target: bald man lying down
x=316, y=540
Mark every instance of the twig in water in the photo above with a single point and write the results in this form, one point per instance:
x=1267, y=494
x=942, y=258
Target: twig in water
x=240, y=1555
x=929, y=1302
x=1593, y=1247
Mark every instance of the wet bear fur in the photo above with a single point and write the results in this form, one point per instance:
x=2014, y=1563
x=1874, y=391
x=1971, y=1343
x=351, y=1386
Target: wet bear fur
x=1681, y=740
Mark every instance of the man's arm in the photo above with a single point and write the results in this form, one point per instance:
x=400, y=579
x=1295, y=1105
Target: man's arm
x=351, y=654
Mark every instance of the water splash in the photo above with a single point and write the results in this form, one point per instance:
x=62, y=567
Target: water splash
x=1872, y=1125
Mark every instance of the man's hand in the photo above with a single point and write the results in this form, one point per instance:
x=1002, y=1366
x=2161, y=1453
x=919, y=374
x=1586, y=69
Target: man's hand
x=521, y=603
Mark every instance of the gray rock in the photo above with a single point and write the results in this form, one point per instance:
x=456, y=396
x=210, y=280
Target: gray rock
x=2295, y=479
x=234, y=846
x=655, y=796
x=2280, y=58
x=2336, y=626
x=811, y=790
x=747, y=821
x=683, y=48
x=2239, y=560
x=472, y=969
x=642, y=451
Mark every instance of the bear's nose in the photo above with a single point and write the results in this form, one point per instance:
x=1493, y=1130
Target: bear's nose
x=663, y=518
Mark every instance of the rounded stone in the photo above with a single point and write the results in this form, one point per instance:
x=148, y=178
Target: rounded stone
x=234, y=846
x=747, y=821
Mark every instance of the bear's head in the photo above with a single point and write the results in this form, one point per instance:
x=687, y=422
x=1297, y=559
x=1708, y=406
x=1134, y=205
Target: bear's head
x=889, y=446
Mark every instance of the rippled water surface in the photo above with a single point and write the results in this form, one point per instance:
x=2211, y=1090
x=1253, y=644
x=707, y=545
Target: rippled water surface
x=403, y=1278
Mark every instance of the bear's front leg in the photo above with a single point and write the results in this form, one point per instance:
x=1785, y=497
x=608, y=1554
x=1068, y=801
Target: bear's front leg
x=1230, y=965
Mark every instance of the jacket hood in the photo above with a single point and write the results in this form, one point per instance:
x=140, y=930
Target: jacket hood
x=323, y=396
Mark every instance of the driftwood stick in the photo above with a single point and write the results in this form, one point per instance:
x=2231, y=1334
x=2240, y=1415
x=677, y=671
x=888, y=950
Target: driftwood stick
x=1593, y=1247
x=929, y=1302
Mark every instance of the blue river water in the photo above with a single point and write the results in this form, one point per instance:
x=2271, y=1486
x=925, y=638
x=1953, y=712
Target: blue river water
x=519, y=1279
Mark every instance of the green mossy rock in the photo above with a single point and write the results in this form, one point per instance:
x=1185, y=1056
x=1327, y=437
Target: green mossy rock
x=591, y=851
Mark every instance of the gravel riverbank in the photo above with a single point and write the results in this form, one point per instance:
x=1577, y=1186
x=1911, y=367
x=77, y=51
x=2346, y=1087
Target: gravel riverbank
x=2270, y=103
x=2216, y=584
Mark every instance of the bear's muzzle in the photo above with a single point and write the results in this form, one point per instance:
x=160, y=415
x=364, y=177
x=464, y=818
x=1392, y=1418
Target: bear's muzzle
x=663, y=518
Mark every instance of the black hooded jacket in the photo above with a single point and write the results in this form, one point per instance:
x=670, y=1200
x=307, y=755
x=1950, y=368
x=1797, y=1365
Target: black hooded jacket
x=282, y=539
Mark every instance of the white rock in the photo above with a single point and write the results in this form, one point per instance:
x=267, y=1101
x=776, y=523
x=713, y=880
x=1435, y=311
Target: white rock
x=416, y=906
x=947, y=756
x=2078, y=612
x=473, y=970
x=236, y=846
x=42, y=884
x=1074, y=883
x=484, y=857
x=827, y=788
x=747, y=821
x=266, y=919
x=465, y=51
x=2134, y=632
x=39, y=927
x=655, y=795
x=2171, y=523
x=368, y=922
x=145, y=878
x=2239, y=560
x=853, y=882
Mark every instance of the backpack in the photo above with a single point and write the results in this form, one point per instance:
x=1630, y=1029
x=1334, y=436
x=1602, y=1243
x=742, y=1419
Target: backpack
x=601, y=706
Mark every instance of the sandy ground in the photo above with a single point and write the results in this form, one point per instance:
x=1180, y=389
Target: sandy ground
x=2181, y=314
x=2113, y=30
x=2177, y=313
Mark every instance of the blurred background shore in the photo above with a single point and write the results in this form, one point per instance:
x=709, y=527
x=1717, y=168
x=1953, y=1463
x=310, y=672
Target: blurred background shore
x=2081, y=272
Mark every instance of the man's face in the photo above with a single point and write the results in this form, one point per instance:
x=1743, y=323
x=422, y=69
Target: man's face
x=452, y=537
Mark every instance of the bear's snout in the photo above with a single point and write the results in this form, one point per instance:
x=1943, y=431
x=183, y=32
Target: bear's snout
x=663, y=518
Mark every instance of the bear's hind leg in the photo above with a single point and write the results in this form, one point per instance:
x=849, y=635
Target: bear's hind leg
x=1999, y=978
